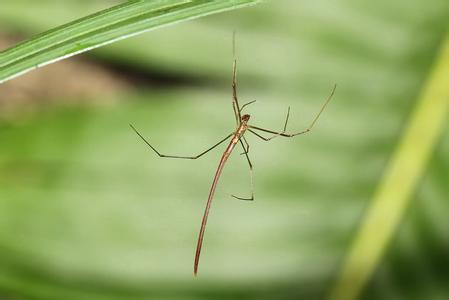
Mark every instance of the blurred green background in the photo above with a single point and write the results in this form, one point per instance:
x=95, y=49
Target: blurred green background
x=88, y=212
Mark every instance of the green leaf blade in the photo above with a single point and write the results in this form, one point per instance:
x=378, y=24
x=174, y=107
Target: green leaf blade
x=102, y=28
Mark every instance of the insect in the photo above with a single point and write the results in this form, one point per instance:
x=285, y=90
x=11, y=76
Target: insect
x=238, y=137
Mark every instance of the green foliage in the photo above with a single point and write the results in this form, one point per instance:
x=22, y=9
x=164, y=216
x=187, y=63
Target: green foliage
x=87, y=212
x=107, y=26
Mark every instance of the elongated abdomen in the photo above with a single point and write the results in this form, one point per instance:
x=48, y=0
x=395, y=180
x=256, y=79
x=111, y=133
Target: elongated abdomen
x=223, y=160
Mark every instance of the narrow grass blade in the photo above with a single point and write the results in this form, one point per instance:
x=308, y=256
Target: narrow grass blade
x=116, y=23
x=398, y=183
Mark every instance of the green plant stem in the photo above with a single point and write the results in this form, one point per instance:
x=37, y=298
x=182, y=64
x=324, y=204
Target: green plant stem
x=400, y=179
